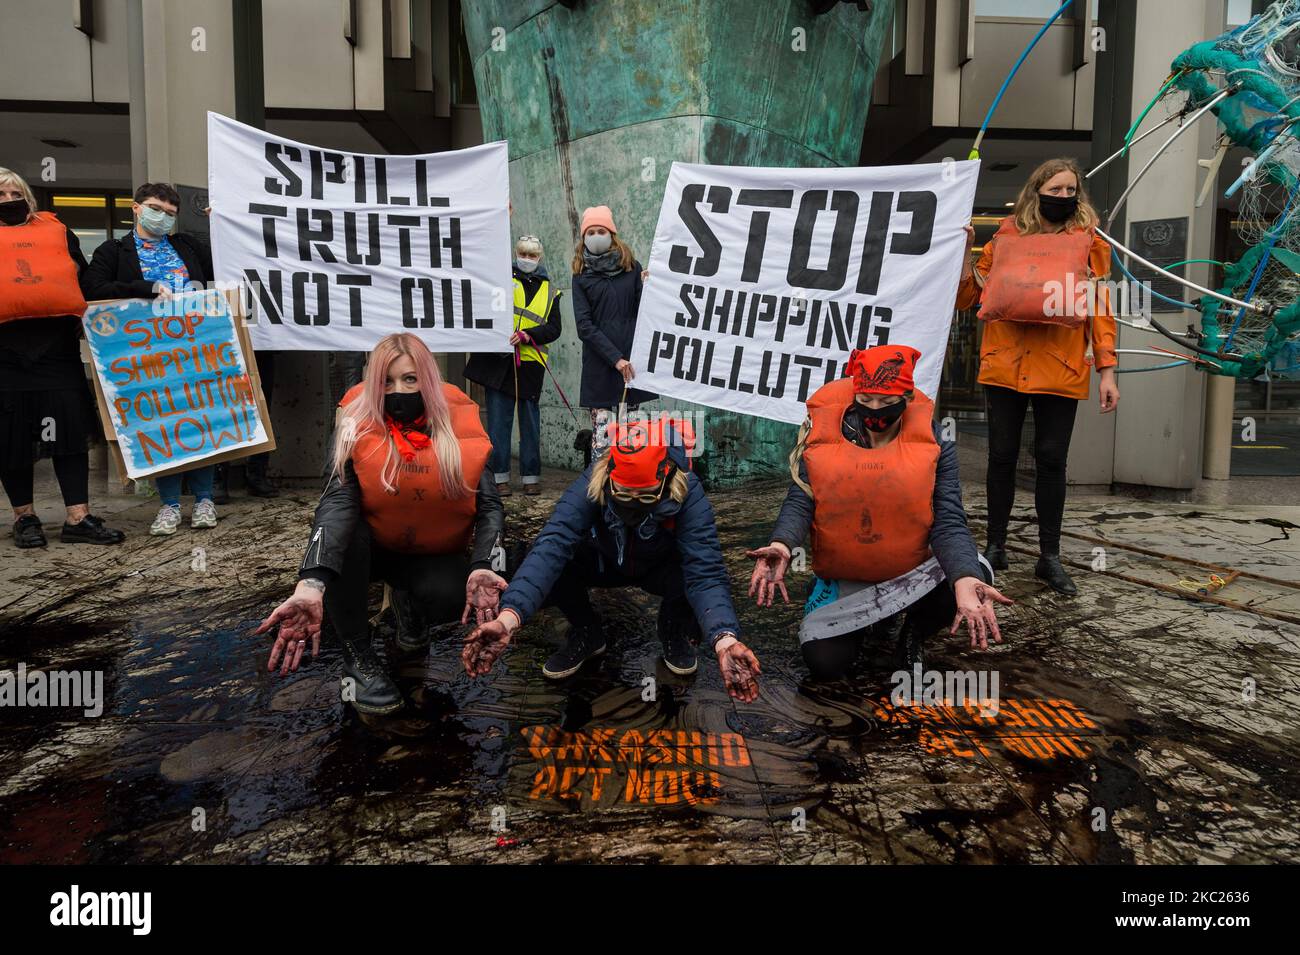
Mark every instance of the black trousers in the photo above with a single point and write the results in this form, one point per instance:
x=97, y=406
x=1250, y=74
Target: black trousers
x=72, y=471
x=571, y=592
x=436, y=582
x=831, y=657
x=1053, y=427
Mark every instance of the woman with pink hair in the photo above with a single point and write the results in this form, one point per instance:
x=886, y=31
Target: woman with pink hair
x=406, y=490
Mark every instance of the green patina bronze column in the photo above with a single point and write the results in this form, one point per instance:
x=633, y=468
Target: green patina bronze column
x=597, y=102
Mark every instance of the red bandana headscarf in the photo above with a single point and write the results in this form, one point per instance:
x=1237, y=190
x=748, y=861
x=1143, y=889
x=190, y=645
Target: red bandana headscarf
x=883, y=370
x=638, y=455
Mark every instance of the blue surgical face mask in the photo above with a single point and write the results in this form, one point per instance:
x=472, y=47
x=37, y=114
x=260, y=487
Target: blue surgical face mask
x=527, y=265
x=157, y=222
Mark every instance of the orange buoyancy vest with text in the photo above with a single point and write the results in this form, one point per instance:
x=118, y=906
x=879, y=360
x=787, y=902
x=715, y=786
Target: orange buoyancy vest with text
x=873, y=508
x=38, y=278
x=1038, y=278
x=419, y=518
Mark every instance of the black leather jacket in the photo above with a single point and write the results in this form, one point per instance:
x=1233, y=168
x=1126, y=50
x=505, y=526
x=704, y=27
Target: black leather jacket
x=339, y=510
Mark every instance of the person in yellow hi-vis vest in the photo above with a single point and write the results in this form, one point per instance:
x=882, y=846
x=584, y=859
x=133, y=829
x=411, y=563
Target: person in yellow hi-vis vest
x=516, y=378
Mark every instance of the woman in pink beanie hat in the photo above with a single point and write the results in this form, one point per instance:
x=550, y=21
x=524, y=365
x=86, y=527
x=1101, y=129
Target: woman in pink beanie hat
x=606, y=296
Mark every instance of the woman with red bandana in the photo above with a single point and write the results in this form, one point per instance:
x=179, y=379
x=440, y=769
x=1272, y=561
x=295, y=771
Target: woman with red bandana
x=637, y=517
x=407, y=489
x=878, y=488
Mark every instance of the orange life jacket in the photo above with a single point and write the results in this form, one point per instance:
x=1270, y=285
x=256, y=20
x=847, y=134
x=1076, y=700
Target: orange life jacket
x=872, y=507
x=419, y=518
x=1034, y=275
x=38, y=278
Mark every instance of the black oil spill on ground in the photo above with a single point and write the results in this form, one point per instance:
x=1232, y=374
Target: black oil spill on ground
x=1120, y=737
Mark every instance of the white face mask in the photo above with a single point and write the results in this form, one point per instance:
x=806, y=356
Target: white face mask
x=527, y=265
x=597, y=243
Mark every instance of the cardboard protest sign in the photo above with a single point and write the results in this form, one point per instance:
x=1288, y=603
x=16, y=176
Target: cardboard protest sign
x=762, y=280
x=337, y=250
x=176, y=383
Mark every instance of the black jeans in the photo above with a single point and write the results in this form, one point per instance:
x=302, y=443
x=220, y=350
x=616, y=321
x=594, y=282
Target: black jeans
x=1053, y=426
x=830, y=657
x=571, y=592
x=436, y=582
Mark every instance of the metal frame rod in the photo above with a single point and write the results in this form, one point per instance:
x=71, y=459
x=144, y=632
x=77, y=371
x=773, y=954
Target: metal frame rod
x=1117, y=153
x=1218, y=98
x=1186, y=283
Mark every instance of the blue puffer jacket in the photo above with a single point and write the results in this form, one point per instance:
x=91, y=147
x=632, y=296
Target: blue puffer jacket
x=691, y=539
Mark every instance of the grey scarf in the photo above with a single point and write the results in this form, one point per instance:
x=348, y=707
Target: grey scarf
x=607, y=263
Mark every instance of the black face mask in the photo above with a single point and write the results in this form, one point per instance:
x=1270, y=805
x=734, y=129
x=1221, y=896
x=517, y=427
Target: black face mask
x=14, y=212
x=881, y=419
x=632, y=515
x=404, y=406
x=1057, y=209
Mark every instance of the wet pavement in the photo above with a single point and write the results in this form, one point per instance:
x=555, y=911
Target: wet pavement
x=1133, y=726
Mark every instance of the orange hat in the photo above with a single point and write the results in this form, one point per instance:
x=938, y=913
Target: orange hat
x=596, y=215
x=638, y=454
x=883, y=370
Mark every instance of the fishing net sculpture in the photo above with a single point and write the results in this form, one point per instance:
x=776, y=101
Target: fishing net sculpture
x=1249, y=80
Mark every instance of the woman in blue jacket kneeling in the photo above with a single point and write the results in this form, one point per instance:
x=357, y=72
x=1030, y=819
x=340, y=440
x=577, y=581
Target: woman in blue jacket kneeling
x=637, y=517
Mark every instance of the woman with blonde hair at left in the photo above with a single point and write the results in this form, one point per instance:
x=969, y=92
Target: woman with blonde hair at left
x=45, y=404
x=407, y=488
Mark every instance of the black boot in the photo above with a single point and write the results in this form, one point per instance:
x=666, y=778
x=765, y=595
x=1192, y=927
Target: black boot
x=373, y=690
x=412, y=634
x=1052, y=570
x=582, y=442
x=581, y=644
x=679, y=651
x=220, y=485
x=259, y=485
x=995, y=552
x=910, y=648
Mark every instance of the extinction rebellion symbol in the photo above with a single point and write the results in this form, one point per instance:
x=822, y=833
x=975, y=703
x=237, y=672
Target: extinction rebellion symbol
x=104, y=323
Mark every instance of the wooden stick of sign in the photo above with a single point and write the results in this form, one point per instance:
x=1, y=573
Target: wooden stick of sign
x=235, y=304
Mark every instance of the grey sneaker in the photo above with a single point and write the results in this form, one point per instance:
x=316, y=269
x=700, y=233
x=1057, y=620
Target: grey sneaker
x=205, y=515
x=168, y=519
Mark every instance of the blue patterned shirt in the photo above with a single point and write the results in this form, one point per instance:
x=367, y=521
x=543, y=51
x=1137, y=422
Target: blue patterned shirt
x=159, y=262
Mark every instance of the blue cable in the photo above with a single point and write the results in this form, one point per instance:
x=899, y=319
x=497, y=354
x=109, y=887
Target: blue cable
x=1274, y=234
x=975, y=149
x=1119, y=260
x=1131, y=371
